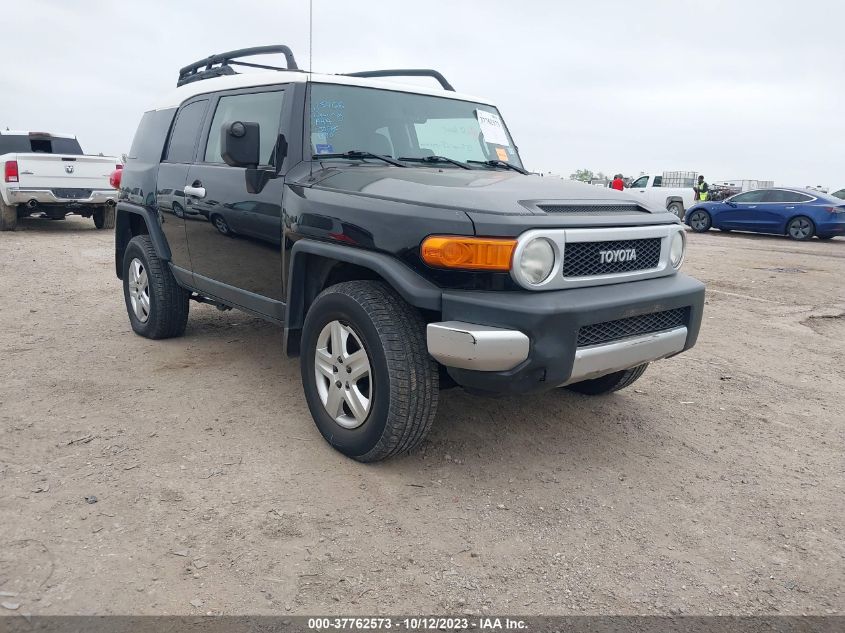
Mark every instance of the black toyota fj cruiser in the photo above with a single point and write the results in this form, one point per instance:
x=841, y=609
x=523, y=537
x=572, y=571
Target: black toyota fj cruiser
x=394, y=233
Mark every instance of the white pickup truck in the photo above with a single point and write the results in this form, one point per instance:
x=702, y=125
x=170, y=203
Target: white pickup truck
x=49, y=174
x=675, y=199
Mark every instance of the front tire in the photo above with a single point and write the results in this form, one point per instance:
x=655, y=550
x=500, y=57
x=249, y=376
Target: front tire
x=700, y=221
x=8, y=216
x=156, y=304
x=609, y=383
x=370, y=384
x=800, y=228
x=104, y=217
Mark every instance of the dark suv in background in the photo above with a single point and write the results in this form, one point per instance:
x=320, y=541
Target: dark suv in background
x=394, y=233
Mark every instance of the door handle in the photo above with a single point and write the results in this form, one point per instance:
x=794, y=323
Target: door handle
x=196, y=192
x=790, y=207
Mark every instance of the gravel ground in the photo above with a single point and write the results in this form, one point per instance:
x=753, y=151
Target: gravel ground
x=713, y=485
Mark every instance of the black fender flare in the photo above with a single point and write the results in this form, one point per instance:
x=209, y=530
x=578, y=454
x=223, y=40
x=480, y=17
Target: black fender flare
x=124, y=214
x=308, y=270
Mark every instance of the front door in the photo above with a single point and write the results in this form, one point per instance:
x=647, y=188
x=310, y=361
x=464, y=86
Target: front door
x=742, y=211
x=234, y=236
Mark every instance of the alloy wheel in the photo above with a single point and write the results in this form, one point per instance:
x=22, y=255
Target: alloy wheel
x=139, y=290
x=800, y=228
x=343, y=375
x=699, y=221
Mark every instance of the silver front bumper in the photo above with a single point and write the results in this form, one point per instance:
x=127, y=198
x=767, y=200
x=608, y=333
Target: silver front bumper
x=479, y=347
x=485, y=348
x=598, y=360
x=45, y=196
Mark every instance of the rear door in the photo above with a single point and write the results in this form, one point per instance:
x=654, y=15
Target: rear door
x=235, y=236
x=779, y=205
x=173, y=174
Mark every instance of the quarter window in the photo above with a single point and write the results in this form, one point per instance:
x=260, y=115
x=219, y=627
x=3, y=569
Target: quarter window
x=264, y=108
x=183, y=138
x=658, y=181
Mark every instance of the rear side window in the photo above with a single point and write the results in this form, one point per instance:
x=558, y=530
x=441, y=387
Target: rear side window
x=148, y=144
x=38, y=144
x=839, y=194
x=186, y=131
x=264, y=108
x=779, y=195
x=658, y=181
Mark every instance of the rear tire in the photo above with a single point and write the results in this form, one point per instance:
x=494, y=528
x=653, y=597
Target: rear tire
x=676, y=208
x=8, y=217
x=800, y=228
x=104, y=217
x=156, y=304
x=700, y=221
x=387, y=409
x=609, y=383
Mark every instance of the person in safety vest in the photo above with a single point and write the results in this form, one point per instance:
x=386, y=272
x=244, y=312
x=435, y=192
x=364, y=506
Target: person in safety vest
x=702, y=191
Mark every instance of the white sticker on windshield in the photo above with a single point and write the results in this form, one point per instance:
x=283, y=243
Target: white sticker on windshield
x=492, y=128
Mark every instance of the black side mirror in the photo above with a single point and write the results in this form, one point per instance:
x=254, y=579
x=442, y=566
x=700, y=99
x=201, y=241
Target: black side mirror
x=241, y=143
x=730, y=203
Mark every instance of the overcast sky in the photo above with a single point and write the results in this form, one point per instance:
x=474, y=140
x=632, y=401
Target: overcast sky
x=731, y=89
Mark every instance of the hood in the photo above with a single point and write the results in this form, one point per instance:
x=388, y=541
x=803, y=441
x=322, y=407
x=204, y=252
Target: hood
x=477, y=190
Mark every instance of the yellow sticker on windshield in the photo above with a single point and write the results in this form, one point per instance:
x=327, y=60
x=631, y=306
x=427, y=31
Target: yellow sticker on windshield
x=502, y=154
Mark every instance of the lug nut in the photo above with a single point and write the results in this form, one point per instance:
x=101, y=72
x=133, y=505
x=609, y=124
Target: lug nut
x=334, y=369
x=348, y=369
x=338, y=384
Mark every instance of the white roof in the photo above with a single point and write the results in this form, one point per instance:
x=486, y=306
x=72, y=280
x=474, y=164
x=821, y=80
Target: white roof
x=26, y=133
x=248, y=80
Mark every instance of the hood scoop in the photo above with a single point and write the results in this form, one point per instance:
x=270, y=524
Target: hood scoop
x=591, y=209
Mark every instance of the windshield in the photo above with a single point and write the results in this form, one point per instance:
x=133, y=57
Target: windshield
x=402, y=124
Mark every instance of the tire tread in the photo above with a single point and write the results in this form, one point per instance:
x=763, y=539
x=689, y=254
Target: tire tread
x=170, y=302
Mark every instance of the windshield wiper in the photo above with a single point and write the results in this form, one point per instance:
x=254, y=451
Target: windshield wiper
x=434, y=159
x=499, y=163
x=354, y=153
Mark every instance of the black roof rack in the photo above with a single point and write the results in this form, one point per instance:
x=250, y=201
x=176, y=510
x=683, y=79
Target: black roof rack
x=221, y=64
x=406, y=72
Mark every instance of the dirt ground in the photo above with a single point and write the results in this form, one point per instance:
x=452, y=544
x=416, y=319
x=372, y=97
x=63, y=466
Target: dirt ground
x=713, y=485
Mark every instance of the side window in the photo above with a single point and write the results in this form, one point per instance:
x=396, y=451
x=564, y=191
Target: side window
x=264, y=108
x=186, y=130
x=839, y=194
x=658, y=181
x=749, y=196
x=639, y=183
x=776, y=195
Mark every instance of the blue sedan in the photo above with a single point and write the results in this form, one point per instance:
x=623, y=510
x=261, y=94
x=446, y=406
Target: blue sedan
x=798, y=213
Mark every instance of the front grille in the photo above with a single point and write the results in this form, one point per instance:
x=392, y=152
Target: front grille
x=632, y=326
x=583, y=259
x=597, y=209
x=72, y=194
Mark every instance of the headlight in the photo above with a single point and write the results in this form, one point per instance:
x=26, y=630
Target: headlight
x=677, y=246
x=536, y=261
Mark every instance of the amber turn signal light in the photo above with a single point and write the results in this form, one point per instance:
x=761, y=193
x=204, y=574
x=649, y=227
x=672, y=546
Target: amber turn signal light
x=468, y=253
